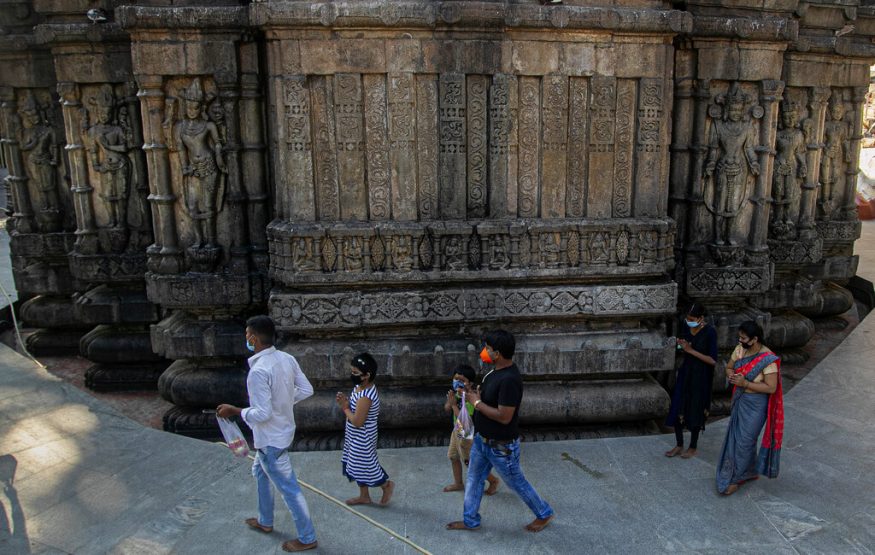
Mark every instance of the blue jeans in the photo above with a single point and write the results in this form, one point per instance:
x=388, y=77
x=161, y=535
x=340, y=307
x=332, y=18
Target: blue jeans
x=507, y=466
x=273, y=466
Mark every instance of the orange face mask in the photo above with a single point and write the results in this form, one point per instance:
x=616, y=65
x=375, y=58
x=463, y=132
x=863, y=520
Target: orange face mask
x=484, y=356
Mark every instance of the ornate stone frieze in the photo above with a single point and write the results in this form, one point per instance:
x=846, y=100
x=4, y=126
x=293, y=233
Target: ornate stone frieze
x=427, y=146
x=578, y=109
x=205, y=291
x=313, y=311
x=839, y=231
x=453, y=145
x=795, y=252
x=731, y=281
x=422, y=13
x=103, y=268
x=313, y=253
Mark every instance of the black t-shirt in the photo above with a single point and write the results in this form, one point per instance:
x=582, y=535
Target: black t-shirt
x=500, y=387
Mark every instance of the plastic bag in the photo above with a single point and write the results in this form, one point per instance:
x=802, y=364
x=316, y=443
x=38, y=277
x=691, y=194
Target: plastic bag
x=464, y=424
x=233, y=437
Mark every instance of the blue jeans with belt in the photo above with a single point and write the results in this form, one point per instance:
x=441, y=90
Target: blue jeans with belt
x=273, y=466
x=505, y=459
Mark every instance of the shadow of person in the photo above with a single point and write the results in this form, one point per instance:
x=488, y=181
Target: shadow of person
x=13, y=530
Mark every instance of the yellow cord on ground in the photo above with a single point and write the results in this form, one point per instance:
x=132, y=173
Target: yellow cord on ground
x=366, y=518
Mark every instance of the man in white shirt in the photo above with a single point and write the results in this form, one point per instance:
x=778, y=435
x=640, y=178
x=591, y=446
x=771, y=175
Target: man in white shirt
x=275, y=383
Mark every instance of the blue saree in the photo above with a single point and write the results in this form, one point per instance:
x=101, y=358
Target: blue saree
x=738, y=460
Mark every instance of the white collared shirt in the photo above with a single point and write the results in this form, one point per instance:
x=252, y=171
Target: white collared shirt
x=275, y=383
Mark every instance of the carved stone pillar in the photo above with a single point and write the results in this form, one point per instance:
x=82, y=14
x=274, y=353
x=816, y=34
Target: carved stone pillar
x=109, y=185
x=428, y=189
x=736, y=72
x=832, y=64
x=43, y=221
x=198, y=73
x=808, y=205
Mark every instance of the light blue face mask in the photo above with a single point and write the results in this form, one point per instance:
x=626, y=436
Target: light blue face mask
x=250, y=346
x=692, y=324
x=457, y=384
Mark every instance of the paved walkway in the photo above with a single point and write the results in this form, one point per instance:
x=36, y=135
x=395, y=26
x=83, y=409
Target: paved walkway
x=81, y=478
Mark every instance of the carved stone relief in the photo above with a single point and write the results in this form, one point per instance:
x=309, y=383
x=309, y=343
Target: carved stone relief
x=320, y=253
x=835, y=157
x=730, y=169
x=362, y=309
x=39, y=146
x=193, y=126
x=789, y=170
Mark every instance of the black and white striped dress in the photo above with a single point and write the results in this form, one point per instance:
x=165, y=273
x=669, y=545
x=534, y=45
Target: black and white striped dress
x=360, y=444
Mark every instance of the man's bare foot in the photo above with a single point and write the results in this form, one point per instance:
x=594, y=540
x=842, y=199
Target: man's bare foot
x=689, y=453
x=253, y=523
x=359, y=501
x=731, y=489
x=455, y=487
x=388, y=488
x=674, y=452
x=296, y=545
x=493, y=485
x=539, y=524
x=459, y=525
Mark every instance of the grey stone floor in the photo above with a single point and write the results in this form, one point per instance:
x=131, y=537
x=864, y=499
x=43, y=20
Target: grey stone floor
x=81, y=478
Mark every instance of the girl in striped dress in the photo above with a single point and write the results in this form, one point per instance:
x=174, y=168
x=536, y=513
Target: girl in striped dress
x=360, y=437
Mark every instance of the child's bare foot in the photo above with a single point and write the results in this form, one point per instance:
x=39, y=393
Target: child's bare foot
x=689, y=453
x=388, y=488
x=539, y=524
x=455, y=487
x=731, y=489
x=493, y=485
x=674, y=452
x=359, y=501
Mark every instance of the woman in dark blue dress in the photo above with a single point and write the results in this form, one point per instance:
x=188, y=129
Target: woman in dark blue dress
x=691, y=399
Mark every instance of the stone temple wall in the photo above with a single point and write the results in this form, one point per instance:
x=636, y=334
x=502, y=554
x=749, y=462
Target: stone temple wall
x=400, y=176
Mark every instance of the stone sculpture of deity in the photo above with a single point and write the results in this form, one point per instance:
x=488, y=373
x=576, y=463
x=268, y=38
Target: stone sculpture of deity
x=303, y=259
x=836, y=153
x=108, y=147
x=598, y=249
x=731, y=161
x=203, y=165
x=402, y=253
x=551, y=250
x=40, y=152
x=498, y=253
x=353, y=259
x=790, y=170
x=453, y=254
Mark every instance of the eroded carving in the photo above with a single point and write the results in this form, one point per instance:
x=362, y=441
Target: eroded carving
x=38, y=143
x=789, y=170
x=731, y=163
x=108, y=141
x=836, y=154
x=198, y=143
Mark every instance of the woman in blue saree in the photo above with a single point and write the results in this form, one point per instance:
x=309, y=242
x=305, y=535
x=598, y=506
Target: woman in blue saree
x=757, y=399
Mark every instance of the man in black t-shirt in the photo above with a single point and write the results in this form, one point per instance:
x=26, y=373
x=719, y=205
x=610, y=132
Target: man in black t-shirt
x=497, y=442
